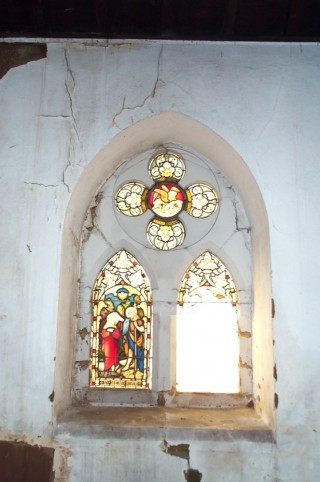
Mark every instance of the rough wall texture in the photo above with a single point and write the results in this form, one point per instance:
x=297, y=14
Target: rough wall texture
x=56, y=114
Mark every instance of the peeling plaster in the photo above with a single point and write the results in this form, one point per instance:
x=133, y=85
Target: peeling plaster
x=192, y=475
x=91, y=220
x=83, y=364
x=51, y=396
x=14, y=54
x=182, y=451
x=83, y=333
x=61, y=468
x=244, y=334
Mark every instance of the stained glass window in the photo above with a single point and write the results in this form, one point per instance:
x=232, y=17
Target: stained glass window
x=207, y=329
x=121, y=325
x=166, y=199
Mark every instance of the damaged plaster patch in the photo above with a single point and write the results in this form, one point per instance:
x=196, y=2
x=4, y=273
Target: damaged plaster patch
x=89, y=223
x=83, y=364
x=36, y=445
x=15, y=54
x=61, y=467
x=192, y=475
x=182, y=451
x=83, y=333
x=51, y=396
x=91, y=220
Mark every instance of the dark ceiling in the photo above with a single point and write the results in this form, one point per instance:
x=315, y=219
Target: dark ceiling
x=249, y=20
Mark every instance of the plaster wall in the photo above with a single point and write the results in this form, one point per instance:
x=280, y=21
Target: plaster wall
x=56, y=115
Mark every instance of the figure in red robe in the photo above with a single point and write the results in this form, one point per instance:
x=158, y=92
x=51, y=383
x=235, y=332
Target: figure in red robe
x=110, y=335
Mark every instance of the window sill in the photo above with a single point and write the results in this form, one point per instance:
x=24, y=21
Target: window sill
x=201, y=424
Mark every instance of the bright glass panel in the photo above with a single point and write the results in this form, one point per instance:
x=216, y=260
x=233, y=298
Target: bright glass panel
x=207, y=330
x=121, y=325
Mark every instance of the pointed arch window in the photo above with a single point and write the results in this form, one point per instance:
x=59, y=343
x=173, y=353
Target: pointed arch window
x=121, y=325
x=137, y=345
x=207, y=355
x=239, y=238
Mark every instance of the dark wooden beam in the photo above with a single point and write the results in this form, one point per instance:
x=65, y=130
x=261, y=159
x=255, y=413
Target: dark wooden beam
x=167, y=18
x=295, y=15
x=101, y=9
x=230, y=18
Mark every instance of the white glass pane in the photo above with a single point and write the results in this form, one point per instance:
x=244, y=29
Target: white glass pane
x=207, y=347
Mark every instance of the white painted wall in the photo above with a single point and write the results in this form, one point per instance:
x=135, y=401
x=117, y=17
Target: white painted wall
x=55, y=115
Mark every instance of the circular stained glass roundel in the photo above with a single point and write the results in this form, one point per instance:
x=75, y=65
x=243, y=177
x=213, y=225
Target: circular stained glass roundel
x=166, y=199
x=130, y=199
x=166, y=165
x=165, y=235
x=202, y=200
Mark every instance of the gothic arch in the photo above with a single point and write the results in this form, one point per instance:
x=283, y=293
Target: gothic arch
x=146, y=134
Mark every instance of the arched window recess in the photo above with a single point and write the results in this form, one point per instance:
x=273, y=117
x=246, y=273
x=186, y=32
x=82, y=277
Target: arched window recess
x=74, y=314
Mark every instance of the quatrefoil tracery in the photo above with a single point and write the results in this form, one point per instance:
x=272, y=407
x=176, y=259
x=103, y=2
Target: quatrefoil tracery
x=166, y=199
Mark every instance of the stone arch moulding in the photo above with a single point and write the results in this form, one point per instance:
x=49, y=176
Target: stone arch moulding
x=150, y=133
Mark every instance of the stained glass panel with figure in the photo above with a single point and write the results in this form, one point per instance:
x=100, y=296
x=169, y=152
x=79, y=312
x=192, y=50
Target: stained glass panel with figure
x=121, y=325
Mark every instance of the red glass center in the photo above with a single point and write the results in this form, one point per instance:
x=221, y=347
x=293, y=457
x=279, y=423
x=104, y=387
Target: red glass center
x=166, y=199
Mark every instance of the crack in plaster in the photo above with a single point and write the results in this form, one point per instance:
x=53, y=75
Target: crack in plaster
x=63, y=178
x=70, y=89
x=148, y=97
x=273, y=109
x=40, y=184
x=237, y=217
x=238, y=228
x=54, y=116
x=158, y=80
